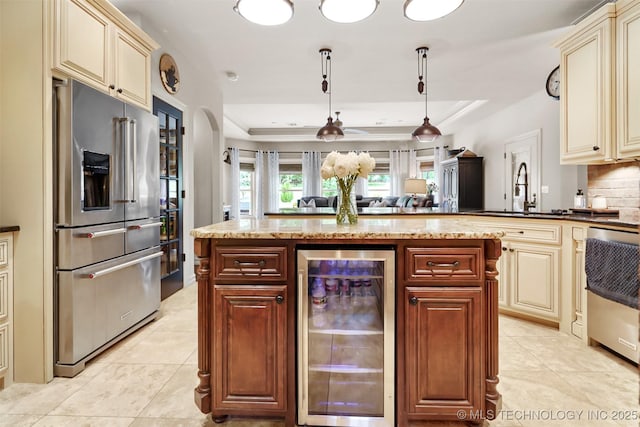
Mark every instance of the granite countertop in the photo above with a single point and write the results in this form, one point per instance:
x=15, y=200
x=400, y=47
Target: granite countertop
x=326, y=228
x=596, y=220
x=9, y=228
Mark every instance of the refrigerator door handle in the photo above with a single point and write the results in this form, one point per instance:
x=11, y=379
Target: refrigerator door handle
x=94, y=234
x=134, y=133
x=124, y=122
x=143, y=226
x=115, y=268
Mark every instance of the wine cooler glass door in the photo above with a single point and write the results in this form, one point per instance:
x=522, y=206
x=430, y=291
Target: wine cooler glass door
x=346, y=324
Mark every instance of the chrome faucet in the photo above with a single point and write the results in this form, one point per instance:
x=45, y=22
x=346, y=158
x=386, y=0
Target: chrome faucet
x=527, y=204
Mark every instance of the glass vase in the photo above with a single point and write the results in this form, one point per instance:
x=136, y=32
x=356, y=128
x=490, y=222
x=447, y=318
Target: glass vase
x=346, y=209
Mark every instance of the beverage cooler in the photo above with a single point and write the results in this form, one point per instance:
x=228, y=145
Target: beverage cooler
x=346, y=337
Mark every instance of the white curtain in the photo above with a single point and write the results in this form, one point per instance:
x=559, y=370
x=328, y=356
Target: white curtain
x=362, y=187
x=267, y=185
x=402, y=165
x=273, y=175
x=311, y=180
x=234, y=155
x=438, y=156
x=259, y=185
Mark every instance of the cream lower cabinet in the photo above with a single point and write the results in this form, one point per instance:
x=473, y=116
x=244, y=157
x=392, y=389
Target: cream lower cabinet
x=532, y=279
x=6, y=310
x=96, y=44
x=529, y=268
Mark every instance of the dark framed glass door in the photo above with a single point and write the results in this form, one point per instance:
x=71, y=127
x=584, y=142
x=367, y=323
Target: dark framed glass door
x=171, y=196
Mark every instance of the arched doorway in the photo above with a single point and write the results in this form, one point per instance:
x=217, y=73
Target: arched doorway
x=207, y=202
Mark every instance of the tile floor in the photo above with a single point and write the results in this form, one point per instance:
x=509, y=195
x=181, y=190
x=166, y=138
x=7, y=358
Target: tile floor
x=546, y=378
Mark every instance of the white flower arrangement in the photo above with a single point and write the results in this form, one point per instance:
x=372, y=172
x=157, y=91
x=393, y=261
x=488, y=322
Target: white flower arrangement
x=346, y=169
x=344, y=165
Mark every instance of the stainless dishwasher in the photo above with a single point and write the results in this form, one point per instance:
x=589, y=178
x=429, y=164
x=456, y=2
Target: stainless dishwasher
x=611, y=264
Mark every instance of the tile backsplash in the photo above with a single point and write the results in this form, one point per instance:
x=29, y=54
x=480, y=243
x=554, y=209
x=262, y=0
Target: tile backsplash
x=620, y=184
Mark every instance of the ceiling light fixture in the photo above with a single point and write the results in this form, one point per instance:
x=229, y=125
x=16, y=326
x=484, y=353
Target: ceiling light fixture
x=427, y=132
x=265, y=12
x=347, y=11
x=427, y=10
x=329, y=132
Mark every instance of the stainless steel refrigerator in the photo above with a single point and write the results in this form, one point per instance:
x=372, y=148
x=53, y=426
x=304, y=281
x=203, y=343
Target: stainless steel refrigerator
x=107, y=222
x=346, y=337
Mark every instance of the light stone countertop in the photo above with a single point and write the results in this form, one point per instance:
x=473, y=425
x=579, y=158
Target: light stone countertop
x=326, y=228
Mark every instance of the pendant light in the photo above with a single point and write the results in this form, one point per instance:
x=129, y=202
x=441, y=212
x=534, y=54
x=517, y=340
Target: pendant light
x=427, y=132
x=347, y=11
x=265, y=12
x=329, y=132
x=427, y=10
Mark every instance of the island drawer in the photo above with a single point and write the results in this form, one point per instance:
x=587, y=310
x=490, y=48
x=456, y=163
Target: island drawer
x=456, y=264
x=247, y=263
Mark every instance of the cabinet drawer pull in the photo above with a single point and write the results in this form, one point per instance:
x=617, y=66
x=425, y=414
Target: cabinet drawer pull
x=511, y=250
x=596, y=148
x=504, y=248
x=413, y=301
x=279, y=299
x=454, y=264
x=239, y=263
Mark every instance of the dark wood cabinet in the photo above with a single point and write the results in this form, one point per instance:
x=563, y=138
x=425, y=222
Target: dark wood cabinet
x=462, y=180
x=446, y=328
x=444, y=358
x=250, y=348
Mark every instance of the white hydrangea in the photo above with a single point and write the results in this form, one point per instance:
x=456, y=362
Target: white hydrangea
x=344, y=165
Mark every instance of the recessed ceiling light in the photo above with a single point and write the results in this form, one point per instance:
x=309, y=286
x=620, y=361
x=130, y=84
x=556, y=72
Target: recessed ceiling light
x=427, y=10
x=231, y=76
x=265, y=12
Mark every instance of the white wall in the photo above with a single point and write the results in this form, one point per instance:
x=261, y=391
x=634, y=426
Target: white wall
x=488, y=136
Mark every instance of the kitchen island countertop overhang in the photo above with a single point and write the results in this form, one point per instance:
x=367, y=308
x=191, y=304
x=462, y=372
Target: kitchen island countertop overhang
x=326, y=228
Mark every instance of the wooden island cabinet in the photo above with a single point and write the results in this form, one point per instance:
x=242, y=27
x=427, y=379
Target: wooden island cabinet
x=446, y=315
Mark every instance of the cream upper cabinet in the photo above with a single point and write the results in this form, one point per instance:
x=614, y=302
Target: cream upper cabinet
x=132, y=70
x=587, y=89
x=600, y=86
x=628, y=77
x=82, y=43
x=98, y=45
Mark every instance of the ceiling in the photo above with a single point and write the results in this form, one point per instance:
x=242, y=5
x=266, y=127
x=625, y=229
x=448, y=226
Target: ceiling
x=482, y=58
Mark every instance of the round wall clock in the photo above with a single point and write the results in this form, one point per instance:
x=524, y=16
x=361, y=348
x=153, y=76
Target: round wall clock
x=169, y=74
x=553, y=83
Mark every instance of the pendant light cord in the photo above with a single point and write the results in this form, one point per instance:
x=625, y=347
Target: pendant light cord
x=422, y=75
x=325, y=60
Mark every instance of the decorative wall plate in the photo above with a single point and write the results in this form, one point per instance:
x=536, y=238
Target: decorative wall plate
x=169, y=73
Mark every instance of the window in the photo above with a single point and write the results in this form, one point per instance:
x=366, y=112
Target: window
x=290, y=189
x=379, y=184
x=246, y=192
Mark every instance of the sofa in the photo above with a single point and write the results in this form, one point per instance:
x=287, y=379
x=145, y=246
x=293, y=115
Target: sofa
x=365, y=202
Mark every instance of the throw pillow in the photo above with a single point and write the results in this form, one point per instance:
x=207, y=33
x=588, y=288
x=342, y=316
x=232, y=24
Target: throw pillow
x=310, y=204
x=378, y=204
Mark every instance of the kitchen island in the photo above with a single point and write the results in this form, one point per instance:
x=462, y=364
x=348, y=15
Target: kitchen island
x=446, y=314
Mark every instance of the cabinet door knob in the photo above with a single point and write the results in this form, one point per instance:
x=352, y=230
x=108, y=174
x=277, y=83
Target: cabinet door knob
x=596, y=148
x=413, y=301
x=112, y=86
x=511, y=250
x=504, y=248
x=119, y=90
x=279, y=299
